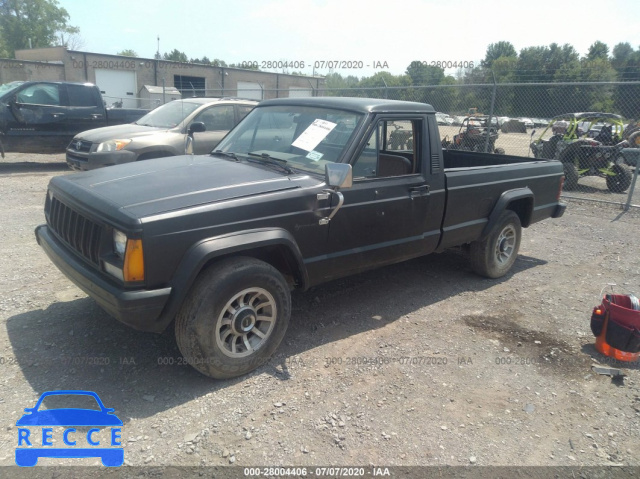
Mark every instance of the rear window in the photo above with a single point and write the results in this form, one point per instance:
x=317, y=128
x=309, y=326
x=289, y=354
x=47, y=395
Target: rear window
x=80, y=95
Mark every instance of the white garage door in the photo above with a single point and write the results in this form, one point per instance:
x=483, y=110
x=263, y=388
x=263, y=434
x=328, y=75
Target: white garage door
x=118, y=86
x=249, y=90
x=297, y=91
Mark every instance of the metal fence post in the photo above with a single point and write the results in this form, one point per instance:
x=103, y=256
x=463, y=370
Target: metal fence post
x=633, y=186
x=491, y=110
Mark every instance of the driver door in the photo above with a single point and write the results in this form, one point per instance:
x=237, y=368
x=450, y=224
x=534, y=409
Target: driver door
x=385, y=216
x=38, y=123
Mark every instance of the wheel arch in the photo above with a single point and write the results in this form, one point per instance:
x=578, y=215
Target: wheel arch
x=519, y=200
x=276, y=247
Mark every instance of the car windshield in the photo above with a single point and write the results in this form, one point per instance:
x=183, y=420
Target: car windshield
x=168, y=115
x=7, y=87
x=302, y=137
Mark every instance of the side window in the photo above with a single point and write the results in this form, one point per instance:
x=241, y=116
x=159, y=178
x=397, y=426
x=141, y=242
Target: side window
x=243, y=110
x=390, y=151
x=40, y=94
x=80, y=95
x=217, y=118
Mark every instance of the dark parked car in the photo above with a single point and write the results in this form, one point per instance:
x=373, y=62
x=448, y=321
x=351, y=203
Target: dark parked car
x=161, y=132
x=42, y=117
x=302, y=191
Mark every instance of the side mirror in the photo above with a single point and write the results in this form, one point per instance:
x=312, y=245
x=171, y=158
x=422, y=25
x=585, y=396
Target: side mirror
x=338, y=175
x=196, y=127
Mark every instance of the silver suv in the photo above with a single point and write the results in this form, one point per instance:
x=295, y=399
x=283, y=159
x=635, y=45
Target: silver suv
x=161, y=132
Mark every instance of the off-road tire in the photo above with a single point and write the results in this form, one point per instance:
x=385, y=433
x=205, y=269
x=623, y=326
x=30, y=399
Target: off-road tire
x=494, y=256
x=621, y=181
x=219, y=309
x=570, y=175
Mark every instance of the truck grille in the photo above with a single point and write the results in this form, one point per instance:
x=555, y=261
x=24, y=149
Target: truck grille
x=78, y=232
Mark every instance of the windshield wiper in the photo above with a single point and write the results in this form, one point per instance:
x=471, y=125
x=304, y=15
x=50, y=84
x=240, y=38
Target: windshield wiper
x=268, y=159
x=230, y=154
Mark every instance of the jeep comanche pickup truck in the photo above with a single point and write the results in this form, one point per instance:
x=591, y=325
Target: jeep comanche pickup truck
x=302, y=191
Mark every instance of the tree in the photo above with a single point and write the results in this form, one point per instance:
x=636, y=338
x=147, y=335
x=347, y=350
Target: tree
x=71, y=41
x=4, y=52
x=598, y=50
x=176, y=56
x=127, y=53
x=219, y=63
x=498, y=50
x=38, y=21
x=422, y=74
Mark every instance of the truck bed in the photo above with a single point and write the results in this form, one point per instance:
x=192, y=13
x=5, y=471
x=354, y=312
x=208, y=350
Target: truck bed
x=471, y=159
x=475, y=182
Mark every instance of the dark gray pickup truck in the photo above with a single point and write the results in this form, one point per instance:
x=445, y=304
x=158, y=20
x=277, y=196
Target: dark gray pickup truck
x=302, y=191
x=43, y=117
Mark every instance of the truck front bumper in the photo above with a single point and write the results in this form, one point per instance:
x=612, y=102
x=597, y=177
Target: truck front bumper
x=139, y=309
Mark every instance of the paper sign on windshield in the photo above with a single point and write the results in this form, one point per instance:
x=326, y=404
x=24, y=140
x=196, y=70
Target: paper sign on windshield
x=314, y=134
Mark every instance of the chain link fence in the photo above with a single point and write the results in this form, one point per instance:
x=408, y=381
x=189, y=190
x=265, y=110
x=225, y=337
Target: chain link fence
x=521, y=114
x=589, y=145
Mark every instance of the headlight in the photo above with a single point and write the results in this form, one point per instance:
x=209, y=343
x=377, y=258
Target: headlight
x=119, y=243
x=130, y=252
x=112, y=145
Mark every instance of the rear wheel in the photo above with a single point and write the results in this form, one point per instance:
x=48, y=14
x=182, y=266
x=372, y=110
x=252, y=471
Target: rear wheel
x=494, y=256
x=234, y=317
x=620, y=180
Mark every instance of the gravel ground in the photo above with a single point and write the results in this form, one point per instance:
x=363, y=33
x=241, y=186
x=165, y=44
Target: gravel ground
x=421, y=363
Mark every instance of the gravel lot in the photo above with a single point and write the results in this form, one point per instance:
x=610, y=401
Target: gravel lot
x=421, y=363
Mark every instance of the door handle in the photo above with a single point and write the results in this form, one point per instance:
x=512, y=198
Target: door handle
x=96, y=116
x=57, y=116
x=419, y=191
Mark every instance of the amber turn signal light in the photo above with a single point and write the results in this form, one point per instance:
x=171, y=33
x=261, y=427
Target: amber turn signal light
x=134, y=261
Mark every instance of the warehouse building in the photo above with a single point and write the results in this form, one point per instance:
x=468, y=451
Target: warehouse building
x=126, y=81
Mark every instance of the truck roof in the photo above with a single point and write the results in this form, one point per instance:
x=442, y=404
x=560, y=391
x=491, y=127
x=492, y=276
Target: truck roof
x=361, y=105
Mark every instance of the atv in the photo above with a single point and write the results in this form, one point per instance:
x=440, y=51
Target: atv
x=585, y=151
x=473, y=135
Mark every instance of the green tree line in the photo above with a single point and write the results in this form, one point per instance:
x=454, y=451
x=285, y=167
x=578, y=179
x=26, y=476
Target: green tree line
x=504, y=66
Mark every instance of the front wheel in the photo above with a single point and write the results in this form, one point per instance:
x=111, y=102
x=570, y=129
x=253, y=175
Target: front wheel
x=494, y=256
x=620, y=180
x=234, y=317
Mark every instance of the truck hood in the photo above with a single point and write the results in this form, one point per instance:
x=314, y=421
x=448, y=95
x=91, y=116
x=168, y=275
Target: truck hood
x=117, y=132
x=142, y=189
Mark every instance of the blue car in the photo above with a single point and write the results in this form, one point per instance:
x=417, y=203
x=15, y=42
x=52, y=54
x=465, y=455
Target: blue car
x=73, y=417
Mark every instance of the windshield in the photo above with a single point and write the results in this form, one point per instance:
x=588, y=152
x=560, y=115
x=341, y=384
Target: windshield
x=168, y=115
x=307, y=138
x=7, y=87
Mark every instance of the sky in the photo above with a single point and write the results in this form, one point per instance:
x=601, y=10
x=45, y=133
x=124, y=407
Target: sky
x=373, y=36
